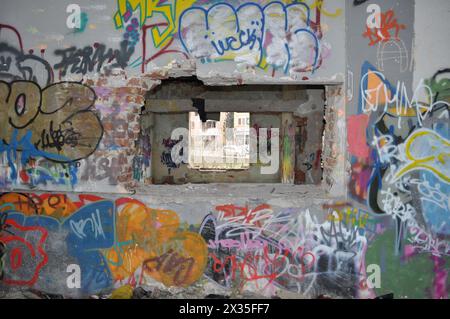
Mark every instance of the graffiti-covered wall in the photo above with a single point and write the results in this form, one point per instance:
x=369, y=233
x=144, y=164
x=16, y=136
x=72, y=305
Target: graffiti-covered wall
x=78, y=218
x=80, y=245
x=117, y=51
x=232, y=38
x=398, y=138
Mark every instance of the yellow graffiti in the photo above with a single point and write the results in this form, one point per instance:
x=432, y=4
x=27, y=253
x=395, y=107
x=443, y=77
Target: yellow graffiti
x=58, y=206
x=152, y=239
x=350, y=216
x=427, y=150
x=319, y=4
x=124, y=292
x=288, y=149
x=171, y=13
x=402, y=111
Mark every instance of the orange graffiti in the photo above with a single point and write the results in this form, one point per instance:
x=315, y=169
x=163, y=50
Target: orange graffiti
x=58, y=206
x=383, y=34
x=18, y=202
x=151, y=238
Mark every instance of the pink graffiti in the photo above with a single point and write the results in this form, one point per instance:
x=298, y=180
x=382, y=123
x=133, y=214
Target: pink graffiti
x=356, y=135
x=440, y=279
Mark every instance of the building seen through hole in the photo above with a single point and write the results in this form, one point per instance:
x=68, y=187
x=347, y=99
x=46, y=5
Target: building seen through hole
x=235, y=134
x=219, y=144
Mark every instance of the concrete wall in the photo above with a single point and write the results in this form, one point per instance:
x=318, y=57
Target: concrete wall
x=76, y=221
x=430, y=54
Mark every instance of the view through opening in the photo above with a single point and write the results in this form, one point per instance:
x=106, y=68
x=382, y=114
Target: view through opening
x=222, y=142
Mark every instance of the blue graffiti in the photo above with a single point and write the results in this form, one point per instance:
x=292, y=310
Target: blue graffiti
x=221, y=48
x=435, y=204
x=364, y=86
x=252, y=36
x=91, y=227
x=28, y=150
x=41, y=175
x=89, y=230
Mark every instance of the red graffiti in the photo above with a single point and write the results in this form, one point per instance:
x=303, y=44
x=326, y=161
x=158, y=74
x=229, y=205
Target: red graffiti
x=85, y=199
x=9, y=27
x=171, y=263
x=383, y=33
x=265, y=265
x=248, y=216
x=251, y=264
x=162, y=51
x=21, y=252
x=318, y=159
x=360, y=178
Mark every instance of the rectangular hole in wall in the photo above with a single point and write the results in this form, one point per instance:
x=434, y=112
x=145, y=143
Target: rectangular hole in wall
x=286, y=120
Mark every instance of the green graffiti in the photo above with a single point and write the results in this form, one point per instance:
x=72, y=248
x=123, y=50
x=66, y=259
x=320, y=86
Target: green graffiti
x=440, y=88
x=411, y=278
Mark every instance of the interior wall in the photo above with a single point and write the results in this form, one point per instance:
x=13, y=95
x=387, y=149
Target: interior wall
x=164, y=169
x=309, y=137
